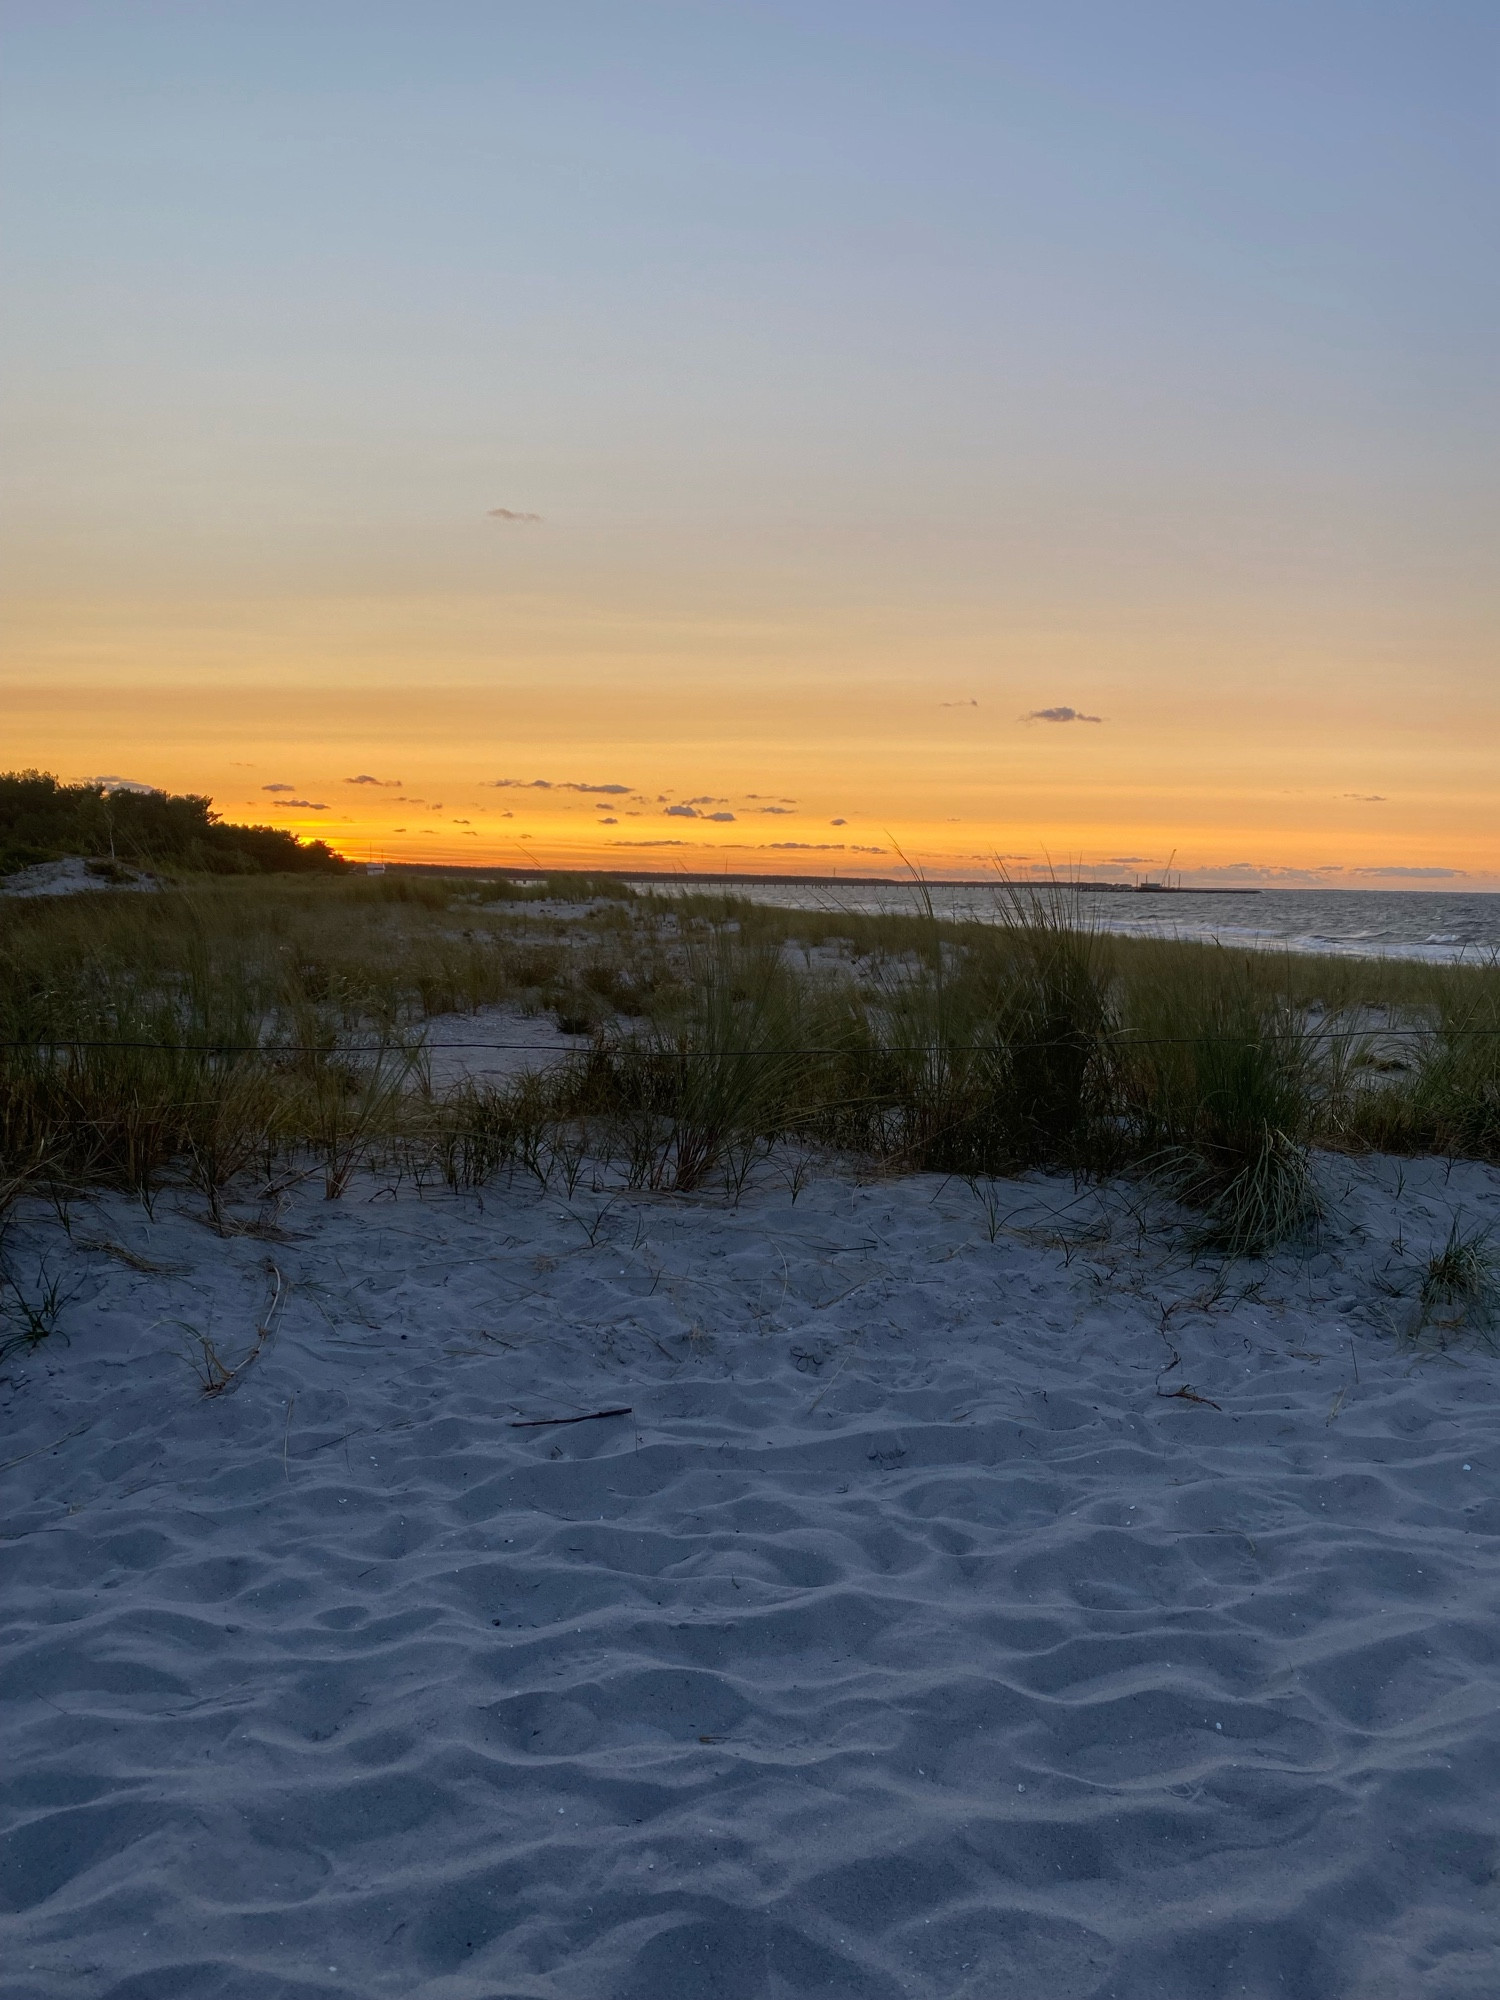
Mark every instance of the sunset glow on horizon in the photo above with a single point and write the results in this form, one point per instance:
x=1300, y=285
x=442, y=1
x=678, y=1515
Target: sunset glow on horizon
x=764, y=438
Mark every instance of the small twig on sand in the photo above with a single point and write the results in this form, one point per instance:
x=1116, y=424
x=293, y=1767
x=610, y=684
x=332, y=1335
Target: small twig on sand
x=537, y=1423
x=1188, y=1395
x=843, y=1358
x=213, y=1372
x=44, y=1447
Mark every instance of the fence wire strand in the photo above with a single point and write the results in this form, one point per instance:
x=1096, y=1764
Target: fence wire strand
x=1125, y=1040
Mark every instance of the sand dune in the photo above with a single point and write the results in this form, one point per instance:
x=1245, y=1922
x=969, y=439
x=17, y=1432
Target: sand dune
x=948, y=1616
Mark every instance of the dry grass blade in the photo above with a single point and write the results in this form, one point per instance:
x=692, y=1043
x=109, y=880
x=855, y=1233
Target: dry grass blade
x=216, y=1376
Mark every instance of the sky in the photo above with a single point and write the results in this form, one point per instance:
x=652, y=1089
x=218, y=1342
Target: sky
x=792, y=436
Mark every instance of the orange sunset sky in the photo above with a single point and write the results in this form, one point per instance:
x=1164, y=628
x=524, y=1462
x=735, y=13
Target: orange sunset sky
x=763, y=437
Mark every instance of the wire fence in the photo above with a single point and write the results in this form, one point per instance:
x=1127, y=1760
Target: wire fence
x=1119, y=1039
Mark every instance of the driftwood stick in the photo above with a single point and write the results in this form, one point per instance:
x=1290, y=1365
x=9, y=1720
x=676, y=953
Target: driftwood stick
x=537, y=1423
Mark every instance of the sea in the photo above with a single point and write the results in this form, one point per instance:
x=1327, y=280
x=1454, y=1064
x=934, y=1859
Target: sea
x=1440, y=926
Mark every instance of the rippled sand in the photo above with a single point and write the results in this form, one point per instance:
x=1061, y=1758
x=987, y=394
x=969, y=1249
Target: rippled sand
x=909, y=1637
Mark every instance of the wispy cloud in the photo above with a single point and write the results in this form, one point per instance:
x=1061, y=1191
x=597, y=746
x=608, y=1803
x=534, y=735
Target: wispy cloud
x=1061, y=714
x=303, y=805
x=719, y=848
x=1414, y=874
x=1366, y=798
x=1254, y=872
x=278, y=788
x=552, y=785
x=776, y=812
x=114, y=784
x=1126, y=860
x=970, y=703
x=822, y=847
x=514, y=515
x=682, y=812
x=364, y=778
x=838, y=822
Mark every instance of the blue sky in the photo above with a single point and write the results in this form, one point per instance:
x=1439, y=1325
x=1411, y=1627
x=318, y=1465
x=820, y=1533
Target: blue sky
x=1064, y=353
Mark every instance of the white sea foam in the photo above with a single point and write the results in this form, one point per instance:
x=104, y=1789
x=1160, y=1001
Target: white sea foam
x=1435, y=926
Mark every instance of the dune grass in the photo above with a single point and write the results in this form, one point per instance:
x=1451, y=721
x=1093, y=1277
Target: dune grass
x=225, y=1034
x=1459, y=1289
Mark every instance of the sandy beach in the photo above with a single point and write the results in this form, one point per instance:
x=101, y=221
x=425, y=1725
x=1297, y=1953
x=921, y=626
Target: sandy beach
x=974, y=1597
x=749, y=1002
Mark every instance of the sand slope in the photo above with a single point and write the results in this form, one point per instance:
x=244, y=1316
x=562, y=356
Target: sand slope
x=906, y=1640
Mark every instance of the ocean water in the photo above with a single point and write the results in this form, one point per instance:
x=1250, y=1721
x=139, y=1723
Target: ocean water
x=1440, y=926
